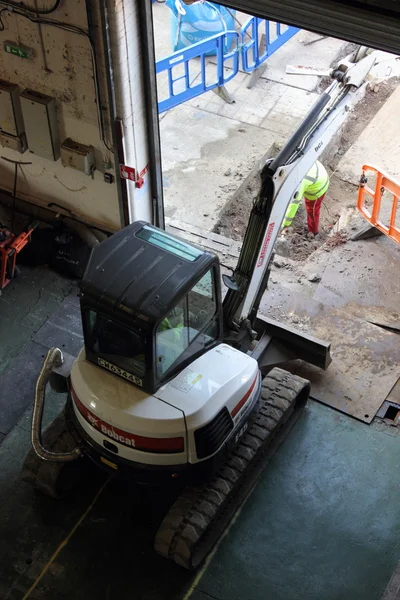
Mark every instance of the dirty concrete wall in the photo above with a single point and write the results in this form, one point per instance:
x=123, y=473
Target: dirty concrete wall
x=62, y=67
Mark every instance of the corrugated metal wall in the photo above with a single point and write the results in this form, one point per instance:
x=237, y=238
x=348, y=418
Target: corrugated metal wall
x=372, y=23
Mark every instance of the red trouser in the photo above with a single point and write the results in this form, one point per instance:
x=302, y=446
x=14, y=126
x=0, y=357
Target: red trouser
x=313, y=208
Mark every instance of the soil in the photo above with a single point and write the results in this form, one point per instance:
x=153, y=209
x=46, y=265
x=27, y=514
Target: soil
x=341, y=196
x=295, y=244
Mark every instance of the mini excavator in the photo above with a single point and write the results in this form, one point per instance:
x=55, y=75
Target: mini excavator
x=175, y=385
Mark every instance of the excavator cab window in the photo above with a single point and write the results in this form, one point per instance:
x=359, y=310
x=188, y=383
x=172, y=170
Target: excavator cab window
x=189, y=327
x=115, y=343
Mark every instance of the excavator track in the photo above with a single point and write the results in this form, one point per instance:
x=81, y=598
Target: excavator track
x=201, y=514
x=53, y=479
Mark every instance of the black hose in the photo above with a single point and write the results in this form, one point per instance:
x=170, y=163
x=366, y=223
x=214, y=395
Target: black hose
x=298, y=135
x=16, y=164
x=14, y=196
x=34, y=11
x=153, y=126
x=86, y=235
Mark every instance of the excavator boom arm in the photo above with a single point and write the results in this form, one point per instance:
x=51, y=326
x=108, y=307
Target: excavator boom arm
x=280, y=180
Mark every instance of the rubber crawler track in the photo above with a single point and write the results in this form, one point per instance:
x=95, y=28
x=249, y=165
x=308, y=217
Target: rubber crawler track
x=200, y=515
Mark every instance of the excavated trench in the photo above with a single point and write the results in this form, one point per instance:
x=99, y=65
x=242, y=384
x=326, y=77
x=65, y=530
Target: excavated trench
x=340, y=201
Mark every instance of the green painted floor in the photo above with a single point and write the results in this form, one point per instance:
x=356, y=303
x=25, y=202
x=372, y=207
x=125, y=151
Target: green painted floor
x=323, y=522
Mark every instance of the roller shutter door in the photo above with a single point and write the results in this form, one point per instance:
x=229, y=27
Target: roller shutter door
x=373, y=23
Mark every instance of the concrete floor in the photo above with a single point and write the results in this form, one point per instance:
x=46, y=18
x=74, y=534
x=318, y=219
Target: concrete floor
x=376, y=146
x=323, y=521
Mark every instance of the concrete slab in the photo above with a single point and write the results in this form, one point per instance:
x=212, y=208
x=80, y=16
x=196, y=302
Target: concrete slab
x=306, y=49
x=377, y=145
x=25, y=307
x=386, y=65
x=267, y=104
x=249, y=106
x=200, y=145
x=198, y=148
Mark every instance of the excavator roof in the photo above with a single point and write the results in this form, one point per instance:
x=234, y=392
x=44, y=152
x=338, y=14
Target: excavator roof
x=142, y=271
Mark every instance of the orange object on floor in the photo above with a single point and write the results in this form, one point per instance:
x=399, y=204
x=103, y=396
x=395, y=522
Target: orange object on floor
x=10, y=246
x=384, y=183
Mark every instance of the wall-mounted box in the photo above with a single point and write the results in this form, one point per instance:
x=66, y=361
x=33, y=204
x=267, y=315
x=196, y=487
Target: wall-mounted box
x=41, y=127
x=11, y=120
x=14, y=142
x=78, y=156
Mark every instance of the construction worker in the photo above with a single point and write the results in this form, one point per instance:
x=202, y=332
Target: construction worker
x=313, y=188
x=175, y=321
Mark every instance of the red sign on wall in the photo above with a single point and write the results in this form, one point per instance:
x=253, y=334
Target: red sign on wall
x=127, y=172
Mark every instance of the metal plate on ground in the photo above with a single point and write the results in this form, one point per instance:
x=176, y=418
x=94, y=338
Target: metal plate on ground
x=394, y=395
x=365, y=358
x=377, y=315
x=365, y=272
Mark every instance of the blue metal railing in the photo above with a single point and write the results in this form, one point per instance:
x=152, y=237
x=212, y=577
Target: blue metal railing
x=181, y=86
x=181, y=69
x=276, y=34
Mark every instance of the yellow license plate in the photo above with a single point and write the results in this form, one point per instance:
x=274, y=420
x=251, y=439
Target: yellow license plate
x=109, y=463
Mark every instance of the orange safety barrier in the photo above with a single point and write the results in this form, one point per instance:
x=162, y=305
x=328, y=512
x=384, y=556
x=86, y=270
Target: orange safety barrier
x=383, y=183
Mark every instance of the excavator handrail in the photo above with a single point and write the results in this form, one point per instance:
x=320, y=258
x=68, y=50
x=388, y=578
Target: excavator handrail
x=383, y=182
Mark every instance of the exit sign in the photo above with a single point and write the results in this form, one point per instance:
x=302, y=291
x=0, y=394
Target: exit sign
x=18, y=50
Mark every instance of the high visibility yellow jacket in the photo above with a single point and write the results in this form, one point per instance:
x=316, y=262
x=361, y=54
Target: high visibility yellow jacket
x=314, y=185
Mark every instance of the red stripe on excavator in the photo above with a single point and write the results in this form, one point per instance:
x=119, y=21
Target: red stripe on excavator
x=243, y=401
x=138, y=442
